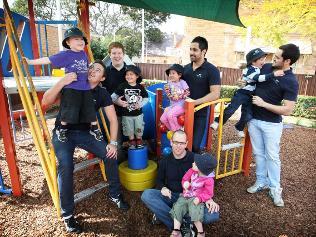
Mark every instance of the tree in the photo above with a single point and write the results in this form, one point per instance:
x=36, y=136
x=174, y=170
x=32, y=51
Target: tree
x=44, y=9
x=274, y=20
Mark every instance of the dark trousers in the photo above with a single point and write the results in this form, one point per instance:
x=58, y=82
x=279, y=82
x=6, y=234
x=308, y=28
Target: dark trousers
x=198, y=132
x=64, y=153
x=243, y=99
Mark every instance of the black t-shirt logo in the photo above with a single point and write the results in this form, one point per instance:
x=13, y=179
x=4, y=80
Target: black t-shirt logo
x=132, y=97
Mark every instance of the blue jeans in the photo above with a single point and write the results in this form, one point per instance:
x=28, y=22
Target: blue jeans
x=161, y=206
x=265, y=139
x=243, y=99
x=198, y=132
x=64, y=153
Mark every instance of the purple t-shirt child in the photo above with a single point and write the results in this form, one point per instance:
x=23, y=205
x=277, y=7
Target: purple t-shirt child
x=73, y=62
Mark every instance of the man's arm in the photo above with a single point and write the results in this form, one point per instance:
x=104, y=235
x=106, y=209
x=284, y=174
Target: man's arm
x=111, y=115
x=285, y=109
x=214, y=94
x=52, y=94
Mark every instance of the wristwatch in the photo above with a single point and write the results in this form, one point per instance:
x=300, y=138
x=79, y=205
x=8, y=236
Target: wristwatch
x=113, y=143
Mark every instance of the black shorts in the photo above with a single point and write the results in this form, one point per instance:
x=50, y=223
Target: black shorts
x=77, y=106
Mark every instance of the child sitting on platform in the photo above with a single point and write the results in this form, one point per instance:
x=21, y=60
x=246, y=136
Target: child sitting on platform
x=77, y=105
x=255, y=60
x=198, y=187
x=134, y=97
x=177, y=91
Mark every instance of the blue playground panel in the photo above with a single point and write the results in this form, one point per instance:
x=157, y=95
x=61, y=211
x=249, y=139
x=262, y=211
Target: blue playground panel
x=25, y=39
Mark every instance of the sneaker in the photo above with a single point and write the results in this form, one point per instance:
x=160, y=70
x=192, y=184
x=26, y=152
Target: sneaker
x=240, y=133
x=97, y=134
x=256, y=188
x=139, y=143
x=155, y=220
x=214, y=126
x=132, y=144
x=62, y=135
x=276, y=195
x=119, y=201
x=72, y=225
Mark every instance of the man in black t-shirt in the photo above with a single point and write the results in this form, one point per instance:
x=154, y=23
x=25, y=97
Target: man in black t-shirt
x=79, y=136
x=265, y=129
x=203, y=79
x=171, y=170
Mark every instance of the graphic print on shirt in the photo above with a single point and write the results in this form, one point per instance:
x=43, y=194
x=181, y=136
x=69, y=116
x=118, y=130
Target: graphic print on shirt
x=133, y=98
x=80, y=66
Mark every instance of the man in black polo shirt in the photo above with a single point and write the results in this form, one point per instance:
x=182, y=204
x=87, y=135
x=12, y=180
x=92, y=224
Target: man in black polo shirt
x=265, y=129
x=203, y=79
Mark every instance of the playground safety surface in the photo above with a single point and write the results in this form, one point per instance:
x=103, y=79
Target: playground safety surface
x=242, y=214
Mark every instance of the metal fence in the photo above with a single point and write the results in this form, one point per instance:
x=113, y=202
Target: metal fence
x=307, y=83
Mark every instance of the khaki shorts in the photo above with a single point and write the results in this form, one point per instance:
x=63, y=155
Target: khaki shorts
x=186, y=205
x=133, y=125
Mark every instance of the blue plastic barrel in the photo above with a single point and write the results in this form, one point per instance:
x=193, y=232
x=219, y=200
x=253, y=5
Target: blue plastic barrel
x=138, y=158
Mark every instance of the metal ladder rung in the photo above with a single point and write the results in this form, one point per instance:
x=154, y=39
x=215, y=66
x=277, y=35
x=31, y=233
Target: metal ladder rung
x=89, y=191
x=85, y=164
x=231, y=146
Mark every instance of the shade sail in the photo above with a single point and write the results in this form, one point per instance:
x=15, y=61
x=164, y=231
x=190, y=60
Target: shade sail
x=224, y=11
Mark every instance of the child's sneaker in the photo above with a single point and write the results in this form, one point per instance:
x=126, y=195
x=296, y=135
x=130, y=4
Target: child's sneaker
x=276, y=195
x=240, y=133
x=62, y=135
x=132, y=144
x=139, y=143
x=214, y=126
x=97, y=134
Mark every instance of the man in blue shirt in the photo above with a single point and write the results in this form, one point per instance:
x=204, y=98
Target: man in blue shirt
x=265, y=129
x=203, y=79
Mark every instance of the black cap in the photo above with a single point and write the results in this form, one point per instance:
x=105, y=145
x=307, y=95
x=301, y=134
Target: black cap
x=136, y=70
x=254, y=54
x=71, y=32
x=206, y=163
x=177, y=67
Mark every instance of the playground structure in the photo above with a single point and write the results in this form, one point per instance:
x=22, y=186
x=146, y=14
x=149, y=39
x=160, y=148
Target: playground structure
x=37, y=121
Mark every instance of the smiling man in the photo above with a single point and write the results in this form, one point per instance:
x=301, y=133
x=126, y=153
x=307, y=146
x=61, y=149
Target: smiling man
x=265, y=129
x=168, y=185
x=203, y=79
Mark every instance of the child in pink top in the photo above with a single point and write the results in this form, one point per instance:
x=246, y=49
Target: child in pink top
x=198, y=187
x=177, y=91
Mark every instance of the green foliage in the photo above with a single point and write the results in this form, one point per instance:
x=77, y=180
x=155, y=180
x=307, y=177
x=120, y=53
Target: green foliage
x=99, y=47
x=274, y=20
x=44, y=9
x=228, y=91
x=305, y=107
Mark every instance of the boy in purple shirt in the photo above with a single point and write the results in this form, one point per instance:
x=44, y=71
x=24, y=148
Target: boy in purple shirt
x=77, y=105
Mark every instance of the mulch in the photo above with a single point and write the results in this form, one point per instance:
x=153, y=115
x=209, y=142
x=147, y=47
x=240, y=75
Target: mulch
x=242, y=214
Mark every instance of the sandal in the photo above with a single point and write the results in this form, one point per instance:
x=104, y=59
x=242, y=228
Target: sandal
x=176, y=233
x=201, y=234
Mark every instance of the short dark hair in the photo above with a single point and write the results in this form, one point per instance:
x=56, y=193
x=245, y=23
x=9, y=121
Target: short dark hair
x=203, y=44
x=290, y=51
x=99, y=61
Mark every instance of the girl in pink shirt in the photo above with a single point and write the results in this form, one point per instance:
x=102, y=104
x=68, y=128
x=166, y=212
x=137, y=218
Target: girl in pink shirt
x=198, y=187
x=177, y=91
